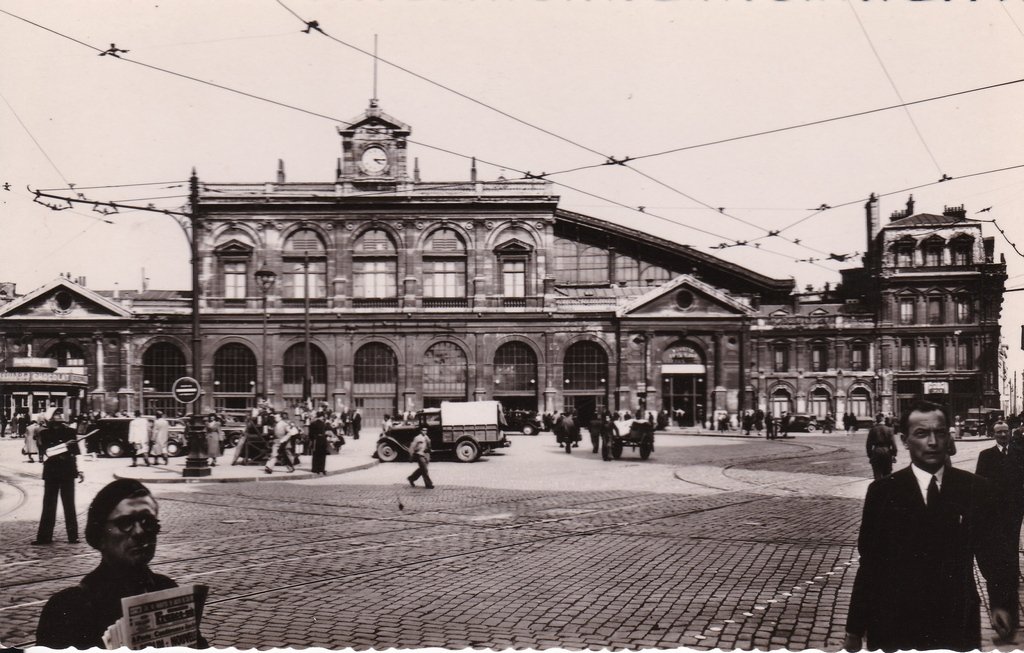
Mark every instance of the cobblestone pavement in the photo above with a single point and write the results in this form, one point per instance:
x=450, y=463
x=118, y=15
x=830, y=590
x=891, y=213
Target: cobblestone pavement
x=707, y=545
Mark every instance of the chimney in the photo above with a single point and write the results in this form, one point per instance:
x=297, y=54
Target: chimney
x=280, y=171
x=337, y=169
x=145, y=281
x=873, y=221
x=472, y=170
x=117, y=291
x=416, y=170
x=958, y=212
x=910, y=205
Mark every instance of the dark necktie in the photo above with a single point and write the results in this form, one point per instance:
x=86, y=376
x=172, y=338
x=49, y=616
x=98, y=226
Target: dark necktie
x=933, y=494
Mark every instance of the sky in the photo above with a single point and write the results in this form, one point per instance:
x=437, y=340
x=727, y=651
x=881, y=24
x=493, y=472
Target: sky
x=523, y=86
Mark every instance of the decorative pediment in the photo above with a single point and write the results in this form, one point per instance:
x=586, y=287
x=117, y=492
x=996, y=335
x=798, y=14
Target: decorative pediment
x=374, y=119
x=233, y=248
x=65, y=300
x=513, y=246
x=818, y=312
x=684, y=296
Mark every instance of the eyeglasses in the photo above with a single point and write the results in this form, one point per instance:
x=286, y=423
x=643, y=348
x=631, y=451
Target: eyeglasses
x=126, y=523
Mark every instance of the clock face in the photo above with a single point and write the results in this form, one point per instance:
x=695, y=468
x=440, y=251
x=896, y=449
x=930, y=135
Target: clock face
x=374, y=160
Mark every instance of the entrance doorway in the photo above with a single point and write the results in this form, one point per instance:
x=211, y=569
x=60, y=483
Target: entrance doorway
x=586, y=407
x=685, y=392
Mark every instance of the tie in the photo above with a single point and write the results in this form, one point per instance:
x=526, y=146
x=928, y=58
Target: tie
x=933, y=494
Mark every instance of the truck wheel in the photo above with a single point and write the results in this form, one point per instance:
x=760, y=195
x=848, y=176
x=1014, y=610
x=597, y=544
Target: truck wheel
x=114, y=449
x=386, y=453
x=467, y=451
x=645, y=450
x=811, y=428
x=528, y=430
x=173, y=448
x=616, y=450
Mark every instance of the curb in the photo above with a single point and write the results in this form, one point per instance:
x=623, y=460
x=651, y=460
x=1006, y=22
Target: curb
x=269, y=478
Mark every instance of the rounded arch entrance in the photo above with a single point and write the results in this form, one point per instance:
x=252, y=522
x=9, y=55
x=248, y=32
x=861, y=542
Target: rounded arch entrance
x=515, y=376
x=162, y=364
x=684, y=383
x=294, y=389
x=445, y=374
x=585, y=386
x=234, y=378
x=375, y=382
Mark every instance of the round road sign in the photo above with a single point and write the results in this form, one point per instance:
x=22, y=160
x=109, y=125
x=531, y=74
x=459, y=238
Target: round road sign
x=186, y=390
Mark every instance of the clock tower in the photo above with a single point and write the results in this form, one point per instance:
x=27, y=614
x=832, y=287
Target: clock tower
x=373, y=148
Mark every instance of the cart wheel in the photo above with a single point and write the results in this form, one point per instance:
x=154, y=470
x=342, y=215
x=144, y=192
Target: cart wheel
x=173, y=448
x=528, y=430
x=645, y=450
x=115, y=449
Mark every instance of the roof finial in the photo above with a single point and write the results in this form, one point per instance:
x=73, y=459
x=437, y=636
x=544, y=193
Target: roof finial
x=373, y=100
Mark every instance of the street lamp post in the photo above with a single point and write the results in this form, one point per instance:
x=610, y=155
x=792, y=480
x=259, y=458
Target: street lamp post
x=195, y=464
x=265, y=279
x=642, y=339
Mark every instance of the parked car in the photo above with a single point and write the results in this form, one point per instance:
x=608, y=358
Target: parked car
x=111, y=437
x=467, y=428
x=635, y=434
x=803, y=423
x=524, y=421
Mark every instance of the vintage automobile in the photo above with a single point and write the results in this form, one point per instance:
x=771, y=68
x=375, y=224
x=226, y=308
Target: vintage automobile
x=469, y=429
x=635, y=434
x=803, y=424
x=111, y=437
x=523, y=421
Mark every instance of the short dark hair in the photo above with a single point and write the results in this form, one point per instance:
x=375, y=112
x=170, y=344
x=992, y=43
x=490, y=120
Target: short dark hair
x=921, y=406
x=106, y=500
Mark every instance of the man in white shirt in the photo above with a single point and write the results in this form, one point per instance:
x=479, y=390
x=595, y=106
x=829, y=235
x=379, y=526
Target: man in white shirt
x=138, y=438
x=420, y=450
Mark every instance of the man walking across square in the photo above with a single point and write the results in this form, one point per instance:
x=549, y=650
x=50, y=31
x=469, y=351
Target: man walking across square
x=881, y=448
x=923, y=527
x=420, y=451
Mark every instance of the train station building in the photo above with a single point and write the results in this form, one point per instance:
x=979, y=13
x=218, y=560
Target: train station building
x=386, y=293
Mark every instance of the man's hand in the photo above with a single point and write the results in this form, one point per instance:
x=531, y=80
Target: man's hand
x=852, y=642
x=1002, y=621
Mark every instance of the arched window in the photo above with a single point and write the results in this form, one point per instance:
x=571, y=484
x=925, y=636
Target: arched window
x=780, y=402
x=234, y=369
x=859, y=403
x=67, y=354
x=445, y=370
x=652, y=275
x=627, y=270
x=374, y=266
x=304, y=255
x=294, y=370
x=819, y=403
x=444, y=266
x=515, y=368
x=585, y=367
x=375, y=369
x=162, y=365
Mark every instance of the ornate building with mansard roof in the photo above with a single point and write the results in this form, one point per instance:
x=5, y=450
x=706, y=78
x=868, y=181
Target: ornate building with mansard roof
x=390, y=294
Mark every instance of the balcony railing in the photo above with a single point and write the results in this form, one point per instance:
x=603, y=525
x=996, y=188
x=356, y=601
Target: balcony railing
x=513, y=302
x=445, y=302
x=374, y=302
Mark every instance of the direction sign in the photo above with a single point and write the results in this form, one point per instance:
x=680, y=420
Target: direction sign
x=186, y=390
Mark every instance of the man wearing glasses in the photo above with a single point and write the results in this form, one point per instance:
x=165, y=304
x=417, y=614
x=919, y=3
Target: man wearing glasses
x=122, y=525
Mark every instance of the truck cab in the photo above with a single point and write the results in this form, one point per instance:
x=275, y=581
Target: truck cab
x=467, y=428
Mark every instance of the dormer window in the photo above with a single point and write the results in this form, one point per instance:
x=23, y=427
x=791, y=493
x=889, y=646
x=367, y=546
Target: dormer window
x=960, y=251
x=932, y=250
x=904, y=253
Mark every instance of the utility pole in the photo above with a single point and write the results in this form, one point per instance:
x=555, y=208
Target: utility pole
x=307, y=373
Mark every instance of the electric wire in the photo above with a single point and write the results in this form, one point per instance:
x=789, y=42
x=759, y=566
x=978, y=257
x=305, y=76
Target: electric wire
x=892, y=82
x=527, y=174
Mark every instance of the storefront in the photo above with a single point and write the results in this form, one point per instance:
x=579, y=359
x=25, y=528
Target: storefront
x=33, y=385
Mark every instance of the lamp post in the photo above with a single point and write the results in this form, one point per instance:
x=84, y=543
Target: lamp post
x=307, y=373
x=265, y=279
x=642, y=339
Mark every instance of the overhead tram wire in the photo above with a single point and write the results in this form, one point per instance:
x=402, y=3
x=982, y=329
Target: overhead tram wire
x=895, y=88
x=733, y=242
x=148, y=183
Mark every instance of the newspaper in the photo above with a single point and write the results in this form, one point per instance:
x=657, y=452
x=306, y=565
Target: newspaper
x=164, y=618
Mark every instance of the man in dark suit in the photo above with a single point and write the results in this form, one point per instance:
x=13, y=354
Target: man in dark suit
x=922, y=529
x=59, y=473
x=881, y=448
x=1003, y=466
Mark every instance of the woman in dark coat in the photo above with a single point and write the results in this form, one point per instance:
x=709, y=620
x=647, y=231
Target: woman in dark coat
x=318, y=442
